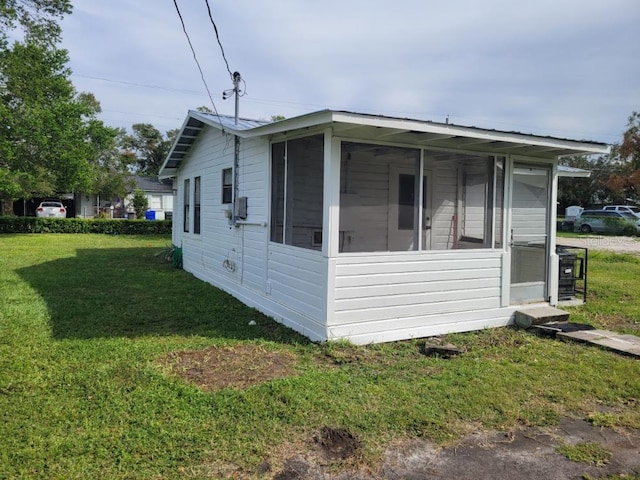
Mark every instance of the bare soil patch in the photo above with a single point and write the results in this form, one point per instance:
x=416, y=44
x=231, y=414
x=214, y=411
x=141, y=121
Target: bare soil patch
x=237, y=366
x=337, y=443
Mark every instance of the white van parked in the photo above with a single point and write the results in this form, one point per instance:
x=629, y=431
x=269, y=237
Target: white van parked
x=624, y=208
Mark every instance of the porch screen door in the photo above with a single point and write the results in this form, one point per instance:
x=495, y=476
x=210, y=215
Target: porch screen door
x=529, y=233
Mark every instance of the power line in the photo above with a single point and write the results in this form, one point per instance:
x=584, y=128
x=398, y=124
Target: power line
x=215, y=28
x=184, y=29
x=136, y=84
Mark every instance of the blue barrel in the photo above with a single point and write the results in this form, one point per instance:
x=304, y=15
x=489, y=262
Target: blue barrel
x=150, y=214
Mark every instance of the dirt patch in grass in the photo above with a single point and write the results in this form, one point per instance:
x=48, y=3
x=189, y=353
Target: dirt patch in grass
x=237, y=366
x=528, y=453
x=336, y=443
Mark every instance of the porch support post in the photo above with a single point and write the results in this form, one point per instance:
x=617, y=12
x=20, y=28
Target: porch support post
x=330, y=224
x=554, y=262
x=419, y=216
x=506, y=234
x=331, y=195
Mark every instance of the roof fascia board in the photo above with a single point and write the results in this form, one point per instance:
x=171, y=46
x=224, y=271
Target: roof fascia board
x=565, y=174
x=175, y=143
x=469, y=132
x=444, y=130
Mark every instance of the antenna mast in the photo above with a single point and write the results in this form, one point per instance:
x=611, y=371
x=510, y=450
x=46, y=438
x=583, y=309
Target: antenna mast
x=237, y=78
x=235, y=91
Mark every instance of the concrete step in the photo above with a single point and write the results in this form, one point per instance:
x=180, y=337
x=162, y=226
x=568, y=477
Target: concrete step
x=525, y=317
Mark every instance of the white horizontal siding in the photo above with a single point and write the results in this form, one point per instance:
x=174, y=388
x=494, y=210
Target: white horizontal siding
x=401, y=291
x=388, y=330
x=413, y=292
x=295, y=294
x=297, y=278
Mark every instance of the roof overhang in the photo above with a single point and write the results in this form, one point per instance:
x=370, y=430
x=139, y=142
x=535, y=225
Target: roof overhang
x=377, y=128
x=573, y=172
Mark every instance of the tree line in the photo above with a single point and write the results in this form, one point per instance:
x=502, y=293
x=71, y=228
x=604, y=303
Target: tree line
x=615, y=178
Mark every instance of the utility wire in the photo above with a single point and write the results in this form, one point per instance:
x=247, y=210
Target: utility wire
x=215, y=28
x=184, y=29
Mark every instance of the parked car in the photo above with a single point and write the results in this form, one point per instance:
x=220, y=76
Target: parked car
x=606, y=221
x=624, y=208
x=51, y=209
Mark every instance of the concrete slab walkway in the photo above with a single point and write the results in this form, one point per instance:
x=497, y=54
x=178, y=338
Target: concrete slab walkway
x=627, y=344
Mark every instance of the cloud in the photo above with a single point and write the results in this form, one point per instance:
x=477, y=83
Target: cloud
x=561, y=68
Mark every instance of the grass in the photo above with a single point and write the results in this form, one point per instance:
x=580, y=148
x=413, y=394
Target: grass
x=612, y=302
x=86, y=321
x=586, y=452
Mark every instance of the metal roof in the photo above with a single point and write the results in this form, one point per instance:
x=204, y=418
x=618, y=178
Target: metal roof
x=573, y=172
x=379, y=128
x=192, y=127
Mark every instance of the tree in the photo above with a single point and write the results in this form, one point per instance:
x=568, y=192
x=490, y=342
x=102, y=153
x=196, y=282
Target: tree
x=50, y=139
x=584, y=191
x=630, y=148
x=36, y=19
x=147, y=148
x=140, y=203
x=615, y=178
x=624, y=182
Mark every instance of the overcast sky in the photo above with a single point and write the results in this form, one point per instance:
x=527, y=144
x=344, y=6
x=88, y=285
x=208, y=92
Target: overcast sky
x=565, y=68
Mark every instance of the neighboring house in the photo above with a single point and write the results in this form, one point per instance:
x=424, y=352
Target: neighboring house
x=159, y=195
x=369, y=228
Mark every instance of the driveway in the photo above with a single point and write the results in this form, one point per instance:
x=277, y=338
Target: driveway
x=599, y=242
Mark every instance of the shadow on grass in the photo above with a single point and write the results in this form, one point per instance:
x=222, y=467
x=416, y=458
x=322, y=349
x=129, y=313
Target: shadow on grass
x=131, y=292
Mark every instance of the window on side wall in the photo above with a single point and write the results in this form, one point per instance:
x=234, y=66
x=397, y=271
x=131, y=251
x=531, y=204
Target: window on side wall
x=227, y=186
x=196, y=204
x=185, y=210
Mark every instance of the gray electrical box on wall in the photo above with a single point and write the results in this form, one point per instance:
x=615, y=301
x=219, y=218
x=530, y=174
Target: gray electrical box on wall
x=241, y=208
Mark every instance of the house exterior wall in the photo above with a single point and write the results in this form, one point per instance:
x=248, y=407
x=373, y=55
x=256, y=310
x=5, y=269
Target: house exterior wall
x=445, y=187
x=286, y=283
x=364, y=205
x=364, y=297
x=385, y=297
x=160, y=202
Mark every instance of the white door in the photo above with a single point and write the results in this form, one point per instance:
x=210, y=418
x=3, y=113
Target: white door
x=529, y=232
x=403, y=211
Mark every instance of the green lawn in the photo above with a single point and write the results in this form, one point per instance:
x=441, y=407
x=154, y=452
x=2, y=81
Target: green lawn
x=88, y=321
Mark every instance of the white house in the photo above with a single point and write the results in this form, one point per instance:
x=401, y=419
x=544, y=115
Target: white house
x=362, y=227
x=159, y=197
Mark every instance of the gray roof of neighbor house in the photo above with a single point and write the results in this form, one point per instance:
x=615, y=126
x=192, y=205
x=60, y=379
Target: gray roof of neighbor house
x=421, y=133
x=151, y=184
